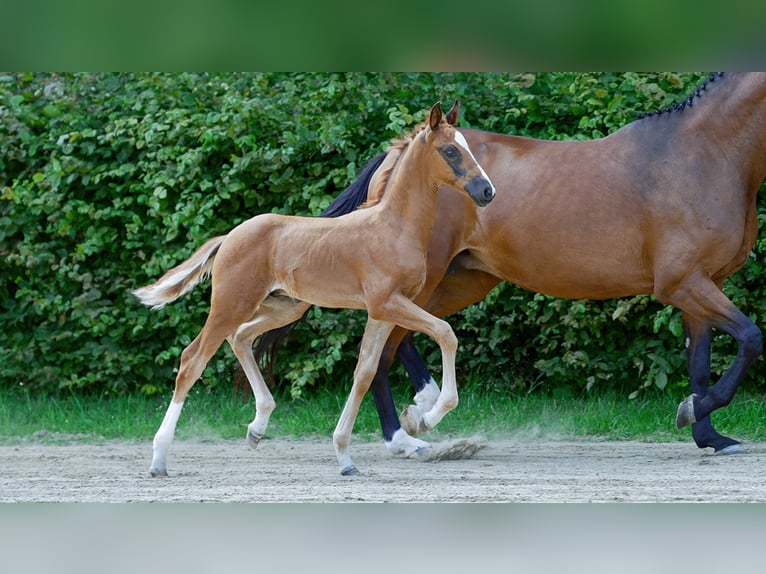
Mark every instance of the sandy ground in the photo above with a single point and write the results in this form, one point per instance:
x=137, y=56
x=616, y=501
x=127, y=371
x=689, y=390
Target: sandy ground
x=305, y=471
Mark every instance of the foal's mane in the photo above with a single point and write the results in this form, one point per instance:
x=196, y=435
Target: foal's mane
x=689, y=101
x=397, y=147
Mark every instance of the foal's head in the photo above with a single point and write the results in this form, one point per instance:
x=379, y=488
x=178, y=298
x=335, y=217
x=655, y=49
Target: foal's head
x=453, y=163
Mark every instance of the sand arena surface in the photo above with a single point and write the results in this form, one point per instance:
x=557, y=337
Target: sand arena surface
x=306, y=471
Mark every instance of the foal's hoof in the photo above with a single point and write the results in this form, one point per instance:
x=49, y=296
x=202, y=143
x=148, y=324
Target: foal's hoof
x=350, y=471
x=685, y=415
x=158, y=472
x=253, y=439
x=412, y=421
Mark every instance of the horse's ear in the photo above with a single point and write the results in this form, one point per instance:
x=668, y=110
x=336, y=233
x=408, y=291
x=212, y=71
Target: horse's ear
x=454, y=114
x=436, y=116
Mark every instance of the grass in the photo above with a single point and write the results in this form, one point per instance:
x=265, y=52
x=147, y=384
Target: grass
x=210, y=414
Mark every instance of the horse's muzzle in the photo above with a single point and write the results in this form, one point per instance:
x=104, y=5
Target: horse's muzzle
x=481, y=190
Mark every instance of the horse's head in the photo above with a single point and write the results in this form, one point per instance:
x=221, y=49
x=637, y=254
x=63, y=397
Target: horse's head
x=457, y=165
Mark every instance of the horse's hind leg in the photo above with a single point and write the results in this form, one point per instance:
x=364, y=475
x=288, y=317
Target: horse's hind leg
x=273, y=313
x=698, y=339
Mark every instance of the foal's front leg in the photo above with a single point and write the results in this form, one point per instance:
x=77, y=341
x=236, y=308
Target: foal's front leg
x=374, y=339
x=408, y=315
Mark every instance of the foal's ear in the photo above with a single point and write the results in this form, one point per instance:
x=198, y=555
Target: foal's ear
x=454, y=114
x=436, y=116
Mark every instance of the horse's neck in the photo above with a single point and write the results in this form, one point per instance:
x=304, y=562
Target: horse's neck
x=736, y=117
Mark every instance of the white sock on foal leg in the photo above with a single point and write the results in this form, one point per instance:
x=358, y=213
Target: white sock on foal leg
x=163, y=438
x=426, y=398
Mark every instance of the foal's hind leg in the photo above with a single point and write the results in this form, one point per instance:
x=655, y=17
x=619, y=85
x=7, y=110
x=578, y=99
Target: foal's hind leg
x=273, y=313
x=194, y=359
x=698, y=340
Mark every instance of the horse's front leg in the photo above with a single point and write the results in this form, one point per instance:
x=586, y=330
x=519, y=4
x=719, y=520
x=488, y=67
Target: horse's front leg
x=373, y=341
x=699, y=296
x=698, y=340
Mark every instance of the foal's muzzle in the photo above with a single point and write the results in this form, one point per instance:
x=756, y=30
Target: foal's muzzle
x=481, y=190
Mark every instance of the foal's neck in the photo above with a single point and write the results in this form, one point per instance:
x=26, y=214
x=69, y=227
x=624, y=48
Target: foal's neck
x=410, y=194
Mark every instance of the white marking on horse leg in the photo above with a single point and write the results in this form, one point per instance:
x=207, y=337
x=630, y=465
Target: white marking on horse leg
x=163, y=438
x=404, y=444
x=426, y=398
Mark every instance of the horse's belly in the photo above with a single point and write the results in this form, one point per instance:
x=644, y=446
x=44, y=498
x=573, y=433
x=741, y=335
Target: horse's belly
x=571, y=273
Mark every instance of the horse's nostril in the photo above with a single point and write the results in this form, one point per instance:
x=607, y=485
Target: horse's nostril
x=488, y=193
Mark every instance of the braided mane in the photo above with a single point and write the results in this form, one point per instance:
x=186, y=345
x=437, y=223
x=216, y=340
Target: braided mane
x=688, y=102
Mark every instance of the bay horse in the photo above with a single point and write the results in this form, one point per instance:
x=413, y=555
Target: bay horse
x=666, y=205
x=269, y=269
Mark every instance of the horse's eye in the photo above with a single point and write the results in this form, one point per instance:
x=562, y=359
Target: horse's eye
x=449, y=152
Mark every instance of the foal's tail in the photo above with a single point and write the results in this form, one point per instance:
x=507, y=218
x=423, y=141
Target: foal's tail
x=181, y=279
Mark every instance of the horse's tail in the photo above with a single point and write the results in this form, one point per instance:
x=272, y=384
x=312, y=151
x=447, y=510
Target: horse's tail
x=181, y=279
x=346, y=202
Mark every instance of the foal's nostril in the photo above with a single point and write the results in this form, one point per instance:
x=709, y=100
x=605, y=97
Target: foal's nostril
x=488, y=193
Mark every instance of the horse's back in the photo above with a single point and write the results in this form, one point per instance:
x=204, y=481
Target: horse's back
x=594, y=219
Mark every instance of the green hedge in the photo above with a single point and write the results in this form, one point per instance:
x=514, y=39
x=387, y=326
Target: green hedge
x=107, y=180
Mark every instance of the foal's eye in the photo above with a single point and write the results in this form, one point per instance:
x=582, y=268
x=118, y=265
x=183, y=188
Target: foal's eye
x=449, y=152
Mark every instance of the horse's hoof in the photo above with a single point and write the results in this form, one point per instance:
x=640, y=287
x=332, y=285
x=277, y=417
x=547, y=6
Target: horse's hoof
x=421, y=453
x=253, y=439
x=685, y=415
x=412, y=421
x=350, y=471
x=456, y=450
x=158, y=472
x=731, y=449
